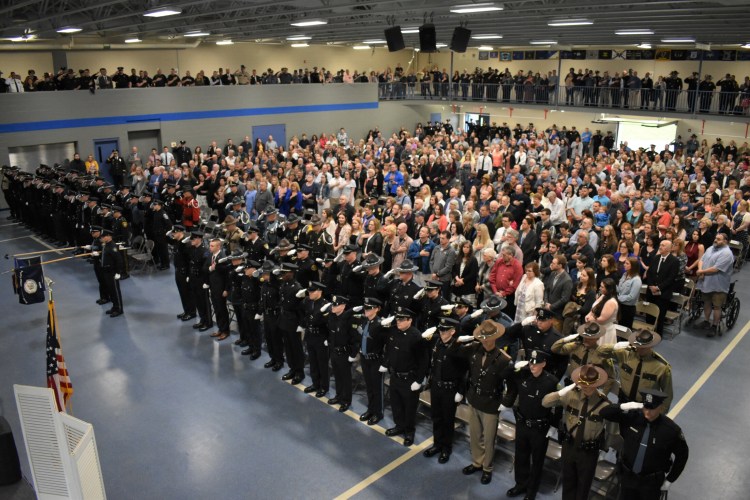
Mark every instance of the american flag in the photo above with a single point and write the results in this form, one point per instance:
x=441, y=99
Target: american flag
x=57, y=374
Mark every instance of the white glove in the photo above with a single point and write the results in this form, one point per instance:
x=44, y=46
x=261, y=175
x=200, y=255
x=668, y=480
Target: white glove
x=319, y=261
x=383, y=369
x=458, y=397
x=387, y=321
x=239, y=269
x=528, y=321
x=95, y=254
x=291, y=252
x=325, y=343
x=415, y=386
x=465, y=338
x=389, y=274
x=325, y=308
x=665, y=485
x=476, y=314
x=351, y=359
x=633, y=405
x=300, y=329
x=205, y=286
x=276, y=272
x=357, y=269
x=258, y=317
x=301, y=293
x=622, y=345
x=87, y=247
x=570, y=338
x=520, y=364
x=357, y=309
x=562, y=392
x=448, y=307
x=427, y=334
x=502, y=408
x=419, y=294
x=117, y=276
x=187, y=280
x=185, y=240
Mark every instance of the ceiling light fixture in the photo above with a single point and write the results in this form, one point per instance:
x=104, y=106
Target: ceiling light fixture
x=543, y=42
x=133, y=40
x=746, y=46
x=163, y=12
x=476, y=7
x=299, y=37
x=441, y=45
x=635, y=32
x=69, y=29
x=196, y=34
x=410, y=31
x=484, y=47
x=225, y=42
x=644, y=45
x=309, y=22
x=570, y=22
x=678, y=40
x=373, y=42
x=361, y=47
x=486, y=37
x=300, y=45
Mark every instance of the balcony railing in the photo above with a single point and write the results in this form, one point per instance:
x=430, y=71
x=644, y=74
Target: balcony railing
x=673, y=101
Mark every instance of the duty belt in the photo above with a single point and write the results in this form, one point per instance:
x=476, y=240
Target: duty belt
x=650, y=475
x=444, y=384
x=341, y=350
x=486, y=392
x=402, y=375
x=593, y=444
x=371, y=356
x=531, y=423
x=273, y=311
x=312, y=330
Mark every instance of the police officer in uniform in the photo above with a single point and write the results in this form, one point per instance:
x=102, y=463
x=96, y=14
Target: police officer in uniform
x=654, y=452
x=403, y=289
x=467, y=322
x=489, y=367
x=292, y=231
x=235, y=274
x=182, y=251
x=372, y=347
x=160, y=225
x=343, y=343
x=233, y=235
x=640, y=367
x=250, y=327
x=112, y=268
x=271, y=228
x=528, y=385
x=290, y=300
x=198, y=256
x=447, y=387
x=121, y=236
x=350, y=283
x=315, y=322
x=269, y=299
x=256, y=248
x=319, y=239
x=308, y=268
x=375, y=285
x=581, y=430
x=406, y=358
x=95, y=249
x=431, y=304
x=538, y=333
x=582, y=348
x=284, y=252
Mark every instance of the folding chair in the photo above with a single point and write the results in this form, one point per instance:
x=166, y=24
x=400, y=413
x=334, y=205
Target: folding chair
x=146, y=256
x=554, y=453
x=646, y=311
x=681, y=302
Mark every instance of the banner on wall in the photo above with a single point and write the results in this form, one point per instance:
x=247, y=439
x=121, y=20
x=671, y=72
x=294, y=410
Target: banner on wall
x=743, y=55
x=663, y=55
x=679, y=55
x=518, y=55
x=546, y=54
x=604, y=54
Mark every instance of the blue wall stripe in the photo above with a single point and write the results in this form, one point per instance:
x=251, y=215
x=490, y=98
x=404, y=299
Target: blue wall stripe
x=171, y=117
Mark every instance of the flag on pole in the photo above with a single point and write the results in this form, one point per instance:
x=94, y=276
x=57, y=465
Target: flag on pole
x=57, y=373
x=28, y=280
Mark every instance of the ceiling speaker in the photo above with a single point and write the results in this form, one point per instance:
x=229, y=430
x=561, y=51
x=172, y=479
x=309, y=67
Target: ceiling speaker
x=394, y=38
x=460, y=39
x=427, y=38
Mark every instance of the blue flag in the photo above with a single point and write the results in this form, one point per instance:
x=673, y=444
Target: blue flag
x=28, y=280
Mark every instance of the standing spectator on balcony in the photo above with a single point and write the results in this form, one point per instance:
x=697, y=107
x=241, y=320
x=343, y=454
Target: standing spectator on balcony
x=660, y=89
x=673, y=88
x=647, y=89
x=692, y=82
x=727, y=94
x=634, y=88
x=187, y=80
x=14, y=83
x=120, y=79
x=242, y=76
x=160, y=79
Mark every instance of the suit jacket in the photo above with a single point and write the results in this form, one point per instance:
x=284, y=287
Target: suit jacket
x=557, y=294
x=529, y=246
x=218, y=279
x=666, y=275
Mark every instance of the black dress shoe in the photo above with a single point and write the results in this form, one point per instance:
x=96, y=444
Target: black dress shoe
x=203, y=328
x=431, y=451
x=109, y=311
x=321, y=393
x=365, y=416
x=181, y=315
x=409, y=440
x=394, y=431
x=188, y=317
x=344, y=407
x=444, y=457
x=198, y=325
x=297, y=380
x=310, y=388
x=471, y=469
x=287, y=376
x=277, y=367
x=334, y=400
x=238, y=342
x=269, y=364
x=515, y=491
x=486, y=477
x=115, y=313
x=102, y=301
x=246, y=352
x=375, y=419
x=255, y=355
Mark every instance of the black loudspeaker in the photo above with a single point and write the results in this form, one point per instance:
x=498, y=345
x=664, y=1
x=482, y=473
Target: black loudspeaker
x=427, y=38
x=394, y=38
x=460, y=39
x=10, y=468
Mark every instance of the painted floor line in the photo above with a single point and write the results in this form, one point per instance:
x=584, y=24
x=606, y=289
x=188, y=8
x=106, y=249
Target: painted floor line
x=10, y=225
x=18, y=238
x=709, y=371
x=42, y=242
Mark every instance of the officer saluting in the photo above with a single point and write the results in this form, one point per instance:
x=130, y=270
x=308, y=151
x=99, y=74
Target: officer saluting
x=654, y=452
x=250, y=326
x=375, y=284
x=290, y=295
x=96, y=248
x=344, y=345
x=308, y=268
x=538, y=333
x=197, y=280
x=431, y=302
x=350, y=282
x=582, y=348
x=529, y=386
x=182, y=270
x=256, y=248
x=112, y=269
x=372, y=346
x=447, y=387
x=315, y=322
x=406, y=359
x=582, y=428
x=403, y=289
x=269, y=299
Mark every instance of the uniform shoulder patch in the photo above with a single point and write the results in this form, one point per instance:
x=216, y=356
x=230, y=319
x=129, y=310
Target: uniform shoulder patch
x=314, y=267
x=124, y=223
x=265, y=245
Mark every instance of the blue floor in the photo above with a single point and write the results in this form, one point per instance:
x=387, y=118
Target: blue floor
x=178, y=415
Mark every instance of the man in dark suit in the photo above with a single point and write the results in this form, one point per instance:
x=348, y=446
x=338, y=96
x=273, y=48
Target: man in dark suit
x=557, y=289
x=528, y=240
x=217, y=270
x=661, y=280
x=344, y=207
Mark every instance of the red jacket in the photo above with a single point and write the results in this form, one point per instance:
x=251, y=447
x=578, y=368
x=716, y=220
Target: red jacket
x=191, y=213
x=505, y=278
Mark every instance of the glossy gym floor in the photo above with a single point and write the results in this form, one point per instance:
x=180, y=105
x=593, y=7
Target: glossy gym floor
x=178, y=415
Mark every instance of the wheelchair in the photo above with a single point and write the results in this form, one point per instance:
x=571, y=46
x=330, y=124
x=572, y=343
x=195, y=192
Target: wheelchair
x=729, y=311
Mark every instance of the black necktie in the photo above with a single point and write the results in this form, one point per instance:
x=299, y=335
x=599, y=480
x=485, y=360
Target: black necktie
x=636, y=381
x=661, y=260
x=641, y=455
